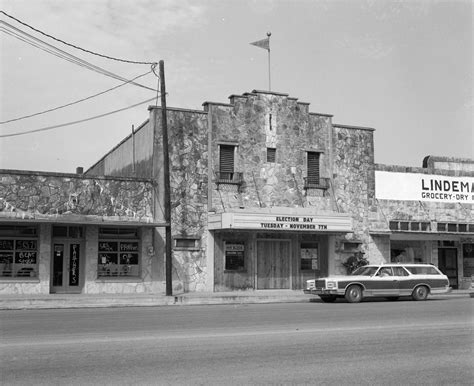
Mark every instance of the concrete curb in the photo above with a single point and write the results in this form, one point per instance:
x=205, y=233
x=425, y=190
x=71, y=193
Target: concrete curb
x=12, y=302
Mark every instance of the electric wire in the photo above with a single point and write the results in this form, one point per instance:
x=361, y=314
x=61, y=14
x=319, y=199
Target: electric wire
x=27, y=38
x=75, y=122
x=74, y=46
x=72, y=103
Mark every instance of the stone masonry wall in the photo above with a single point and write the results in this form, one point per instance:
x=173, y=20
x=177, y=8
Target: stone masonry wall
x=48, y=196
x=246, y=122
x=353, y=186
x=188, y=144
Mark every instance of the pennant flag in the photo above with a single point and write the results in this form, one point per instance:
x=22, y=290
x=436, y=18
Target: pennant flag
x=264, y=43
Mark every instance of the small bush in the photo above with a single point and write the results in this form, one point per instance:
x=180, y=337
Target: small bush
x=354, y=262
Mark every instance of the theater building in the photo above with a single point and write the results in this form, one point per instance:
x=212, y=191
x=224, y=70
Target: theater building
x=265, y=194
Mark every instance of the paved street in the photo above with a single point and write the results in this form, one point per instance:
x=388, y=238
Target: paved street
x=374, y=342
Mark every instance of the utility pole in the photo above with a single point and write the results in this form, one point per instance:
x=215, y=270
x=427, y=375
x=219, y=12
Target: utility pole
x=166, y=182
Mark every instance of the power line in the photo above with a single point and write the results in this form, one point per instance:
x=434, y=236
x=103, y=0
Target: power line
x=74, y=46
x=17, y=33
x=73, y=103
x=75, y=122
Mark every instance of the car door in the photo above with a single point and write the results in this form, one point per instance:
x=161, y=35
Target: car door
x=405, y=282
x=384, y=283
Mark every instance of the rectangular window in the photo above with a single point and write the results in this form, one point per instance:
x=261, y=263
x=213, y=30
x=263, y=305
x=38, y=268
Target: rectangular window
x=271, y=154
x=309, y=256
x=404, y=225
x=313, y=168
x=118, y=252
x=18, y=255
x=351, y=246
x=452, y=227
x=234, y=256
x=72, y=232
x=425, y=226
x=226, y=162
x=186, y=243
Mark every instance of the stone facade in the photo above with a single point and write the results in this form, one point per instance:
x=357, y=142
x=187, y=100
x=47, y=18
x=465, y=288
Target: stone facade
x=43, y=200
x=48, y=196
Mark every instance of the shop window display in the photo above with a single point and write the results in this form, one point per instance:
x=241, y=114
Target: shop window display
x=309, y=256
x=118, y=254
x=235, y=256
x=18, y=252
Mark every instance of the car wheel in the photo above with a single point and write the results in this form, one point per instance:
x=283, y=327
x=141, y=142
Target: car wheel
x=354, y=294
x=420, y=293
x=328, y=298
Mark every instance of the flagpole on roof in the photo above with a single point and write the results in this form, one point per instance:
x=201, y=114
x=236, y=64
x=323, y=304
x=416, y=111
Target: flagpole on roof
x=265, y=44
x=269, y=77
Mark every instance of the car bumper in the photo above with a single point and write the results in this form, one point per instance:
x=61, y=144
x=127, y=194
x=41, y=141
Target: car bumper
x=320, y=291
x=440, y=291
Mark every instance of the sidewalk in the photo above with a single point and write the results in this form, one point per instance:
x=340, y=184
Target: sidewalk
x=18, y=302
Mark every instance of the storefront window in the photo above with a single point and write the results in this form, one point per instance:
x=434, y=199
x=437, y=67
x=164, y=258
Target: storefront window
x=118, y=253
x=18, y=254
x=409, y=252
x=234, y=256
x=309, y=256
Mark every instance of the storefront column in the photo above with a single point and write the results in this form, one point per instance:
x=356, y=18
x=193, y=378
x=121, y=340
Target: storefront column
x=210, y=262
x=331, y=255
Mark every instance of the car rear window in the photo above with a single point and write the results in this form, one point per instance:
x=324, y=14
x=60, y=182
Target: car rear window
x=422, y=270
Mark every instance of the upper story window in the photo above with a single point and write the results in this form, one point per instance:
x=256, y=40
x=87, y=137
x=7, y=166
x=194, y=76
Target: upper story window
x=226, y=161
x=313, y=168
x=18, y=251
x=227, y=173
x=271, y=154
x=313, y=178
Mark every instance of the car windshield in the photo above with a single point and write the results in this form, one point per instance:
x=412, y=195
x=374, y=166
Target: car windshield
x=365, y=271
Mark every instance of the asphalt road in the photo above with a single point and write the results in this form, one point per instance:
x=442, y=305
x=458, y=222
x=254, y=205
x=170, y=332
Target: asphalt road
x=371, y=343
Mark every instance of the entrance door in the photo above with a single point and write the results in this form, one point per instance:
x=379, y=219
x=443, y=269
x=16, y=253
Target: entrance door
x=448, y=264
x=66, y=271
x=273, y=264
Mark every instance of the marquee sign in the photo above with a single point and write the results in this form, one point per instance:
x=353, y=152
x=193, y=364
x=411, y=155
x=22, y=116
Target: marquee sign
x=281, y=222
x=423, y=187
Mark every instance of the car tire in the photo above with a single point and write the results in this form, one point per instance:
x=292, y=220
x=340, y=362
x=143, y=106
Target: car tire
x=420, y=293
x=328, y=298
x=354, y=294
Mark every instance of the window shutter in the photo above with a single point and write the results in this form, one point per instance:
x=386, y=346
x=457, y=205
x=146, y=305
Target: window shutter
x=226, y=159
x=313, y=168
x=271, y=154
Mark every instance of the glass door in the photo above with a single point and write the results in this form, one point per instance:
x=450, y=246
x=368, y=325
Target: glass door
x=66, y=268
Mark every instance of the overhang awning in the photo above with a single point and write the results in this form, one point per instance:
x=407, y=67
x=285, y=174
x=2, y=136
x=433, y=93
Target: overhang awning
x=380, y=232
x=283, y=221
x=20, y=218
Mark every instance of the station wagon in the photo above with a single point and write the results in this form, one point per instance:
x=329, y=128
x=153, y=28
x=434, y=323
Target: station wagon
x=389, y=281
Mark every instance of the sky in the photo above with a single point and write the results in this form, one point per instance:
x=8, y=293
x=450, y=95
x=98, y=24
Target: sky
x=404, y=68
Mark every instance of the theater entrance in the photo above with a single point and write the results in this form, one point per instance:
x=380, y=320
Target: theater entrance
x=273, y=264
